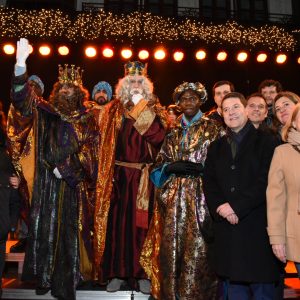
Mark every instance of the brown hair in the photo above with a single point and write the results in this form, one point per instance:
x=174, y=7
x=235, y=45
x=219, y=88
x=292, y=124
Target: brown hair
x=235, y=95
x=289, y=124
x=290, y=95
x=270, y=82
x=222, y=82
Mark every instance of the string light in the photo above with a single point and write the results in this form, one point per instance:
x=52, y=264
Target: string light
x=281, y=58
x=44, y=50
x=143, y=54
x=159, y=54
x=261, y=57
x=90, y=52
x=242, y=56
x=178, y=56
x=221, y=56
x=126, y=53
x=63, y=50
x=200, y=55
x=108, y=52
x=298, y=60
x=9, y=49
x=139, y=26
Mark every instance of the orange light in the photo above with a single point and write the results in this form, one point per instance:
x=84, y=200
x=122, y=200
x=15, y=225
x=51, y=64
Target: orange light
x=262, y=57
x=298, y=60
x=281, y=58
x=126, y=53
x=63, y=50
x=143, y=54
x=90, y=52
x=242, y=56
x=160, y=54
x=178, y=56
x=108, y=52
x=9, y=49
x=30, y=49
x=44, y=50
x=221, y=56
x=200, y=54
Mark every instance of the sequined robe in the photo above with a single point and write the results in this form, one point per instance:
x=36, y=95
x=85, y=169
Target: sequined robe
x=174, y=255
x=59, y=250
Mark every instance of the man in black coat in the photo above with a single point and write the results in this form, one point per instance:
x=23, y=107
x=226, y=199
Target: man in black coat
x=9, y=199
x=235, y=181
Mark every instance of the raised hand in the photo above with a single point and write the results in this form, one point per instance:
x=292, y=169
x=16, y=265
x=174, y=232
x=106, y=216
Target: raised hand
x=23, y=51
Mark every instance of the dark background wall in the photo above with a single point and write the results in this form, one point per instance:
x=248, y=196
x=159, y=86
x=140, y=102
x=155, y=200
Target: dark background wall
x=166, y=74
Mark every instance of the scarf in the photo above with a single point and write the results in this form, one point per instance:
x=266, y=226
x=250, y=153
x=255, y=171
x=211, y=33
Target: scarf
x=294, y=138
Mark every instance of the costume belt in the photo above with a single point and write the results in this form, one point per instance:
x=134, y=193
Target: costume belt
x=142, y=199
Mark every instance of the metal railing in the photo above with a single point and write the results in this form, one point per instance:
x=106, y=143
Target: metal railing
x=204, y=13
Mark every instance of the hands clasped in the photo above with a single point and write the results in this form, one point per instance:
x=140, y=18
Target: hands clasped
x=226, y=211
x=181, y=168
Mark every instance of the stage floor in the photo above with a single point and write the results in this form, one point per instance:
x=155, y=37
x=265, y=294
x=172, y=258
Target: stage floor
x=14, y=288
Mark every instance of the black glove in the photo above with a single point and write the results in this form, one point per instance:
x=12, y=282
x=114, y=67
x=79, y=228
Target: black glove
x=184, y=168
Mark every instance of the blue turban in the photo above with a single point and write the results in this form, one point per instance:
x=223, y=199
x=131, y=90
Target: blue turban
x=38, y=81
x=102, y=85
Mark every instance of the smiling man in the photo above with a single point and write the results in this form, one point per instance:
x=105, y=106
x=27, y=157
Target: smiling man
x=257, y=109
x=235, y=182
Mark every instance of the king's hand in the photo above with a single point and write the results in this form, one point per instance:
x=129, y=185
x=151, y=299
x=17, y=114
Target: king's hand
x=23, y=51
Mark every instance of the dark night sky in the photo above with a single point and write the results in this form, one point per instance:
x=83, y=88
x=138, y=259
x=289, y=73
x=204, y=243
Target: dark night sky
x=166, y=75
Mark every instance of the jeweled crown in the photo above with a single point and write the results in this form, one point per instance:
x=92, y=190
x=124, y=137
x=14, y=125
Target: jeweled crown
x=135, y=68
x=70, y=74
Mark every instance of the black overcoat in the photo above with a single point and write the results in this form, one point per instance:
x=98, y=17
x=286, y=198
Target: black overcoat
x=241, y=252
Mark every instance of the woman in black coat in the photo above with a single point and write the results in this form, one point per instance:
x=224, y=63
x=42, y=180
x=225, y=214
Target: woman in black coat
x=9, y=199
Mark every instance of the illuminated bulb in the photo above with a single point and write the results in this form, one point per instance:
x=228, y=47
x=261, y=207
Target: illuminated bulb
x=221, y=56
x=63, y=50
x=90, y=52
x=201, y=54
x=242, y=56
x=143, y=54
x=281, y=58
x=44, y=50
x=159, y=54
x=298, y=60
x=9, y=49
x=126, y=53
x=262, y=57
x=107, y=52
x=178, y=56
x=30, y=49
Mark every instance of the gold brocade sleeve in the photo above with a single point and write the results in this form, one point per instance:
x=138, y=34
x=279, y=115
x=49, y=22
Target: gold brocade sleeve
x=145, y=120
x=110, y=120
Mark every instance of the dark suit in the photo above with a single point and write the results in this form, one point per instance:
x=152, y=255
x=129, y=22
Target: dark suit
x=242, y=252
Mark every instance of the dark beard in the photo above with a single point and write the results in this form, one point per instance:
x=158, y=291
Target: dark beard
x=66, y=104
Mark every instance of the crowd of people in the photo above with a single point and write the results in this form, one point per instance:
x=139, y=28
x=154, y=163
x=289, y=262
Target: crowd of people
x=173, y=202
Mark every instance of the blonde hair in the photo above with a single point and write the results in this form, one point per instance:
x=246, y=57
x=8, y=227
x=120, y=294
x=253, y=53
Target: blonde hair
x=123, y=91
x=289, y=124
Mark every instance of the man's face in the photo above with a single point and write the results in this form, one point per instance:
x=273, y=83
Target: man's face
x=269, y=93
x=189, y=104
x=234, y=113
x=36, y=88
x=220, y=92
x=283, y=109
x=136, y=84
x=101, y=97
x=66, y=90
x=256, y=109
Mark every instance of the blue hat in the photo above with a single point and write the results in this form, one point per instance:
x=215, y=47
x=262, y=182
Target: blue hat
x=102, y=85
x=38, y=81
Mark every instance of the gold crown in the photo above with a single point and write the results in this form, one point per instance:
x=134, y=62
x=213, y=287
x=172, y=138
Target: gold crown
x=70, y=74
x=135, y=68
